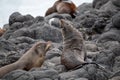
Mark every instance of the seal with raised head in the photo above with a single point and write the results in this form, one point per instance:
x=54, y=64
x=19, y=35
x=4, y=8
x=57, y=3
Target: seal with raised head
x=61, y=7
x=74, y=52
x=34, y=57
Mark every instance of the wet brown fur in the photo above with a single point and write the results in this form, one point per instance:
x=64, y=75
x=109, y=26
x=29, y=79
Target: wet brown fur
x=62, y=7
x=74, y=53
x=2, y=31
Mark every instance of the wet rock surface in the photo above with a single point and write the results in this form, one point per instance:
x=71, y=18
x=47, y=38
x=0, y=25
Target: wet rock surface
x=99, y=23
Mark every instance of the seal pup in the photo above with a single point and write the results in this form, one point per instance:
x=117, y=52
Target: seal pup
x=34, y=57
x=61, y=7
x=73, y=53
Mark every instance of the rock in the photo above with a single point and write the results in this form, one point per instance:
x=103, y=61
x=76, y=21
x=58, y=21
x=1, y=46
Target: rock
x=99, y=25
x=6, y=45
x=87, y=19
x=112, y=35
x=39, y=19
x=81, y=79
x=18, y=75
x=52, y=53
x=116, y=2
x=48, y=73
x=17, y=17
x=116, y=64
x=16, y=25
x=88, y=71
x=106, y=58
x=109, y=6
x=92, y=54
x=115, y=78
x=13, y=17
x=6, y=27
x=23, y=32
x=83, y=8
x=98, y=3
x=48, y=33
x=54, y=22
x=22, y=39
x=116, y=20
x=91, y=47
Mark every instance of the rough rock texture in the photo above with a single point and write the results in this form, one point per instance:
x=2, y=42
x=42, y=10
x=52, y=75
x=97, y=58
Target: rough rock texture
x=98, y=3
x=99, y=25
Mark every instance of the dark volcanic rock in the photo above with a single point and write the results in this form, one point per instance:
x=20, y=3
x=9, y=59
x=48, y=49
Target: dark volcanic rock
x=48, y=33
x=112, y=35
x=91, y=72
x=98, y=3
x=116, y=20
x=42, y=74
x=19, y=75
x=109, y=6
x=83, y=8
x=116, y=2
x=17, y=17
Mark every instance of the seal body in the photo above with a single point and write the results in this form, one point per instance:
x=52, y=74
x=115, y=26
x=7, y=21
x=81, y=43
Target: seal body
x=73, y=53
x=61, y=7
x=2, y=31
x=34, y=57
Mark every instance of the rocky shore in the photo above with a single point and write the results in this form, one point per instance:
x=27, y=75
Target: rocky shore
x=99, y=23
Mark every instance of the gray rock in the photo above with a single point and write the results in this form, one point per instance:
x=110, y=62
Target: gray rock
x=107, y=57
x=116, y=20
x=92, y=47
x=54, y=22
x=18, y=75
x=87, y=19
x=39, y=19
x=13, y=17
x=22, y=39
x=112, y=35
x=48, y=33
x=115, y=78
x=16, y=25
x=83, y=8
x=6, y=26
x=116, y=64
x=116, y=2
x=88, y=71
x=109, y=6
x=17, y=17
x=52, y=53
x=48, y=73
x=26, y=32
x=98, y=3
x=81, y=79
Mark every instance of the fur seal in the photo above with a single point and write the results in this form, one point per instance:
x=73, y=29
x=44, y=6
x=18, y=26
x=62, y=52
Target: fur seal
x=34, y=57
x=2, y=31
x=61, y=7
x=73, y=53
